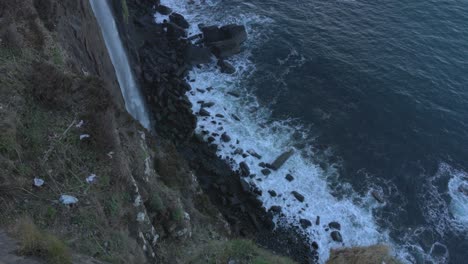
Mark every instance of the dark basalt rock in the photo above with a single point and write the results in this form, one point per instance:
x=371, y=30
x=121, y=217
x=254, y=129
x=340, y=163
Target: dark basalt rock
x=211, y=34
x=317, y=220
x=204, y=112
x=179, y=20
x=254, y=154
x=298, y=196
x=334, y=225
x=266, y=172
x=226, y=67
x=289, y=177
x=163, y=10
x=275, y=209
x=197, y=55
x=336, y=236
x=281, y=159
x=207, y=104
x=234, y=32
x=235, y=94
x=272, y=193
x=244, y=169
x=305, y=223
x=225, y=137
x=315, y=245
x=174, y=31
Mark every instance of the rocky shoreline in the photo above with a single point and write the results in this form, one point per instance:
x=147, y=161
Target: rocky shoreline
x=161, y=57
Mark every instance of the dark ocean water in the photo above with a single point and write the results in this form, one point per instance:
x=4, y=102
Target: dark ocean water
x=379, y=90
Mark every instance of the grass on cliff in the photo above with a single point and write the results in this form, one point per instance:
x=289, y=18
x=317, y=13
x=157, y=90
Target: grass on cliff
x=376, y=254
x=238, y=251
x=34, y=242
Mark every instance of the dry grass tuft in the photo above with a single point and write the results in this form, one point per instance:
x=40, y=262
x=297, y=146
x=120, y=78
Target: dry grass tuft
x=40, y=244
x=376, y=254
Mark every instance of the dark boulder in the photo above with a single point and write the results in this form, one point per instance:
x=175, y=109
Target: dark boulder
x=225, y=137
x=225, y=48
x=298, y=196
x=235, y=94
x=244, y=169
x=254, y=154
x=179, y=20
x=275, y=209
x=211, y=34
x=234, y=32
x=272, y=193
x=305, y=223
x=266, y=172
x=317, y=220
x=163, y=10
x=245, y=185
x=281, y=159
x=204, y=112
x=334, y=225
x=226, y=67
x=207, y=104
x=195, y=55
x=174, y=31
x=336, y=236
x=315, y=245
x=289, y=177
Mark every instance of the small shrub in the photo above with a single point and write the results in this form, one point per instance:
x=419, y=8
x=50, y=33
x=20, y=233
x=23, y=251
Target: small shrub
x=125, y=12
x=36, y=243
x=177, y=214
x=155, y=203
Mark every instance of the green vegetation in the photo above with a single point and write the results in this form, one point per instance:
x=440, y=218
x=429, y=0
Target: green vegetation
x=40, y=244
x=125, y=11
x=238, y=250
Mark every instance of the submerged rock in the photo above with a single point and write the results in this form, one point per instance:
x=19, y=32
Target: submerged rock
x=204, y=112
x=281, y=159
x=377, y=196
x=266, y=172
x=225, y=137
x=289, y=177
x=275, y=209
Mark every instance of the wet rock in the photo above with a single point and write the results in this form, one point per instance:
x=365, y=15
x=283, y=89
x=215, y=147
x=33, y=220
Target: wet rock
x=195, y=55
x=245, y=185
x=179, y=20
x=211, y=139
x=289, y=177
x=244, y=169
x=204, y=112
x=315, y=245
x=266, y=172
x=281, y=159
x=163, y=10
x=262, y=164
x=219, y=115
x=225, y=48
x=317, y=220
x=377, y=196
x=272, y=193
x=211, y=34
x=235, y=117
x=235, y=94
x=336, y=236
x=226, y=67
x=201, y=90
x=225, y=137
x=236, y=33
x=305, y=223
x=174, y=31
x=298, y=196
x=275, y=209
x=254, y=154
x=334, y=225
x=207, y=104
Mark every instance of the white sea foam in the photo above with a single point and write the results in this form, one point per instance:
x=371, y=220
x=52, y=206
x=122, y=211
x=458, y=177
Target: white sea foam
x=269, y=138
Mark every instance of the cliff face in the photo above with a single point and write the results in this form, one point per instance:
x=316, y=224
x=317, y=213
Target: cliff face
x=63, y=122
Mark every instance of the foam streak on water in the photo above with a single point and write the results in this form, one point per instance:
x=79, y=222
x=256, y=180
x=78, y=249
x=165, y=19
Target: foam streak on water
x=256, y=131
x=134, y=102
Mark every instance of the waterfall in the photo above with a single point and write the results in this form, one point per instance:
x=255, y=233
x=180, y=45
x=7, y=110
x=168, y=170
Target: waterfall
x=131, y=93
